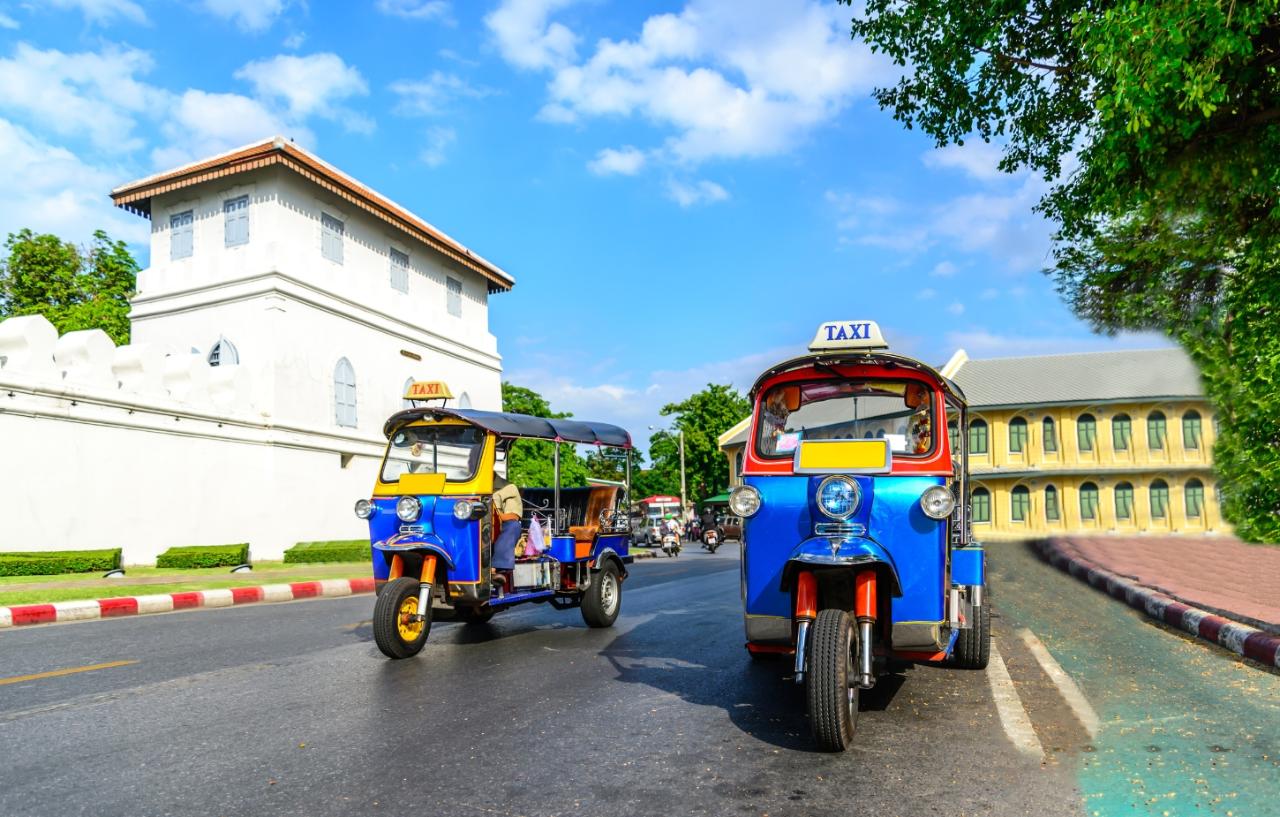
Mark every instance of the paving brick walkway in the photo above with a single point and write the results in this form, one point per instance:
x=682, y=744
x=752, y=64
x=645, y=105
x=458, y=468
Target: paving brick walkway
x=1215, y=573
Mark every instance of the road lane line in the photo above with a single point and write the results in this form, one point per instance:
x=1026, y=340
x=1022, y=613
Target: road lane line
x=1013, y=715
x=57, y=673
x=1066, y=685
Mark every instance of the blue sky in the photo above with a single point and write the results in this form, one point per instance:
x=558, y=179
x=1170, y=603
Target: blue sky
x=683, y=190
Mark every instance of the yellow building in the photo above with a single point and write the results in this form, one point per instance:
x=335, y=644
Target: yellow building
x=1098, y=442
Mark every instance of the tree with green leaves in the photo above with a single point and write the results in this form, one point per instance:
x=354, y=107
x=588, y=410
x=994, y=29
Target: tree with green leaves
x=1156, y=125
x=532, y=462
x=74, y=287
x=703, y=417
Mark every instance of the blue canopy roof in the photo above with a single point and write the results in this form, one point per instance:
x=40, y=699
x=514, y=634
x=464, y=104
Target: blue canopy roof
x=520, y=425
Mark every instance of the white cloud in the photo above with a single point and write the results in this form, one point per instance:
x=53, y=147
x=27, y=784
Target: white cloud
x=697, y=192
x=8, y=22
x=526, y=38
x=976, y=158
x=431, y=95
x=50, y=189
x=312, y=85
x=88, y=94
x=979, y=342
x=955, y=308
x=927, y=294
x=439, y=139
x=295, y=40
x=249, y=15
x=627, y=161
x=201, y=124
x=416, y=9
x=103, y=11
x=944, y=269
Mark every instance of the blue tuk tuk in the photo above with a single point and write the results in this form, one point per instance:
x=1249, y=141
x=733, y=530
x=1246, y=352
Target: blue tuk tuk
x=856, y=542
x=433, y=522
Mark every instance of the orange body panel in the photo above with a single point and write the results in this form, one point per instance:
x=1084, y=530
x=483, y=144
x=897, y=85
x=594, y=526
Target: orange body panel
x=864, y=597
x=806, y=596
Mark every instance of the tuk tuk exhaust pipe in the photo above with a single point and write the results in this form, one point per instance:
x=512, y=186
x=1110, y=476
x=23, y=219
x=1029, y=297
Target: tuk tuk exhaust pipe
x=865, y=610
x=806, y=612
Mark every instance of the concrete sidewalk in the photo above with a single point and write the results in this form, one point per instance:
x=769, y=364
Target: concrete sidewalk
x=1215, y=587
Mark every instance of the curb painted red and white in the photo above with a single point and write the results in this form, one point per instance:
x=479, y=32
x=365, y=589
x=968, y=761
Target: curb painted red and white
x=1241, y=639
x=24, y=614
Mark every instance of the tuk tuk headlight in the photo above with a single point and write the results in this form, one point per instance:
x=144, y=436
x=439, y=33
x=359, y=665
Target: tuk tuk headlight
x=839, y=497
x=408, y=508
x=937, y=502
x=465, y=509
x=744, y=501
x=364, y=508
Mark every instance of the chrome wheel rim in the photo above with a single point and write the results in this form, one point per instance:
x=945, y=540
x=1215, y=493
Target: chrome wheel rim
x=851, y=675
x=608, y=593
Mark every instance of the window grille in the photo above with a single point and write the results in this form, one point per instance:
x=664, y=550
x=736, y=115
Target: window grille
x=1020, y=503
x=1121, y=432
x=1155, y=431
x=1050, y=435
x=1159, y=499
x=1051, y=511
x=1195, y=498
x=1088, y=501
x=1086, y=432
x=1191, y=430
x=1017, y=435
x=223, y=353
x=980, y=505
x=978, y=437
x=1124, y=501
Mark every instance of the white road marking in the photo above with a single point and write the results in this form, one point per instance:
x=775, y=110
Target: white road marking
x=1066, y=686
x=1013, y=715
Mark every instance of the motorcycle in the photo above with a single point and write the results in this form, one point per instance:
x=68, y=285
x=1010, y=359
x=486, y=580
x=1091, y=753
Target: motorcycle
x=711, y=540
x=670, y=544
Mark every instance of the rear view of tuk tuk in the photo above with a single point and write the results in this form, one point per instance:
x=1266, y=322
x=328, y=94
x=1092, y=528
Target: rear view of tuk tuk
x=856, y=543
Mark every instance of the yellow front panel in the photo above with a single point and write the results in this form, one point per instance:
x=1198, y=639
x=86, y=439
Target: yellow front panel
x=843, y=456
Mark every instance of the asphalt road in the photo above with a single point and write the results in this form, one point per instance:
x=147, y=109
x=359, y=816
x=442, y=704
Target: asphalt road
x=290, y=709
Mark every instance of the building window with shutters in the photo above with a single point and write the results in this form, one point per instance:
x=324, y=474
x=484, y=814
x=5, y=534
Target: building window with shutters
x=1124, y=501
x=953, y=436
x=978, y=437
x=1159, y=499
x=405, y=402
x=980, y=505
x=235, y=221
x=1121, y=432
x=181, y=228
x=1088, y=501
x=1050, y=435
x=1051, y=511
x=1086, y=432
x=1020, y=503
x=1155, y=431
x=332, y=232
x=399, y=270
x=344, y=393
x=1191, y=430
x=223, y=353
x=454, y=295
x=464, y=401
x=1017, y=435
x=1194, y=494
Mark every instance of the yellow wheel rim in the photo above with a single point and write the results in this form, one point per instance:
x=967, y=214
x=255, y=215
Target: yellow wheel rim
x=405, y=623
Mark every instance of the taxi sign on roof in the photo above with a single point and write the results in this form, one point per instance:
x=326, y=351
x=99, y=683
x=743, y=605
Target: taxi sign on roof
x=834, y=335
x=428, y=390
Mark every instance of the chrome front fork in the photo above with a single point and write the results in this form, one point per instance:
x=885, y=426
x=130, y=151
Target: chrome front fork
x=865, y=679
x=424, y=600
x=802, y=638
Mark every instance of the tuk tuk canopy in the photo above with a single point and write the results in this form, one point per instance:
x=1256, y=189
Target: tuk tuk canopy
x=522, y=426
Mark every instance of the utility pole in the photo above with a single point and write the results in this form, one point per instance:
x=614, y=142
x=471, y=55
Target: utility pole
x=683, y=504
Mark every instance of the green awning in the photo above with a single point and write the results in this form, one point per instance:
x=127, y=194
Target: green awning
x=718, y=499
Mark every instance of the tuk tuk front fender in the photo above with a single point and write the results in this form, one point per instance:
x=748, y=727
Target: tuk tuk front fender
x=823, y=552
x=416, y=543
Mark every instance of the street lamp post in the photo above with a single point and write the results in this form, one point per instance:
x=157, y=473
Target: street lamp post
x=683, y=500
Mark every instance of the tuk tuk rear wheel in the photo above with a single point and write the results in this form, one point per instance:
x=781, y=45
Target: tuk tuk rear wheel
x=831, y=682
x=395, y=629
x=973, y=646
x=603, y=599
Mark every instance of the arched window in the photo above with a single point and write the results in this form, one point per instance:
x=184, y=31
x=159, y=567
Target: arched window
x=737, y=463
x=1121, y=432
x=953, y=436
x=1191, y=430
x=405, y=402
x=1017, y=435
x=1124, y=501
x=1159, y=499
x=1050, y=435
x=223, y=353
x=1051, y=511
x=1194, y=493
x=464, y=401
x=1088, y=501
x=1020, y=503
x=1086, y=432
x=344, y=394
x=980, y=505
x=978, y=437
x=1155, y=431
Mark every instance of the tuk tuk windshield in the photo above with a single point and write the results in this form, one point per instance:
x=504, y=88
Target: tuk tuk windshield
x=900, y=411
x=439, y=449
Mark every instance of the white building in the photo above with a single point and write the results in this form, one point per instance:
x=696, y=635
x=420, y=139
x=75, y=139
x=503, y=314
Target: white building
x=285, y=308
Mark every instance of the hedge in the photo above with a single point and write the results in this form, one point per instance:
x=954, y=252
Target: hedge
x=54, y=562
x=213, y=556
x=340, y=550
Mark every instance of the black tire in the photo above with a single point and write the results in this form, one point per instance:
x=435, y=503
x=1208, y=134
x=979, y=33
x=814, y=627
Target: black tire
x=475, y=615
x=973, y=646
x=603, y=599
x=397, y=599
x=831, y=681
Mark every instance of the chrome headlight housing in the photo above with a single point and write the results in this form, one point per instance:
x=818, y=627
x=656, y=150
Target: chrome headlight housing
x=937, y=502
x=744, y=501
x=408, y=508
x=839, y=497
x=465, y=509
x=364, y=508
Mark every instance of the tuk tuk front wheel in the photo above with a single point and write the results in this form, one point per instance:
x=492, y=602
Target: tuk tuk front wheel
x=831, y=682
x=603, y=599
x=396, y=628
x=973, y=646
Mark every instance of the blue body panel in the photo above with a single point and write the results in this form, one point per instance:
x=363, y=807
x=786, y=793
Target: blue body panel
x=457, y=539
x=967, y=565
x=914, y=544
x=619, y=543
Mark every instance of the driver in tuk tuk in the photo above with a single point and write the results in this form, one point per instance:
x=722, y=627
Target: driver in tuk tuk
x=506, y=500
x=919, y=427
